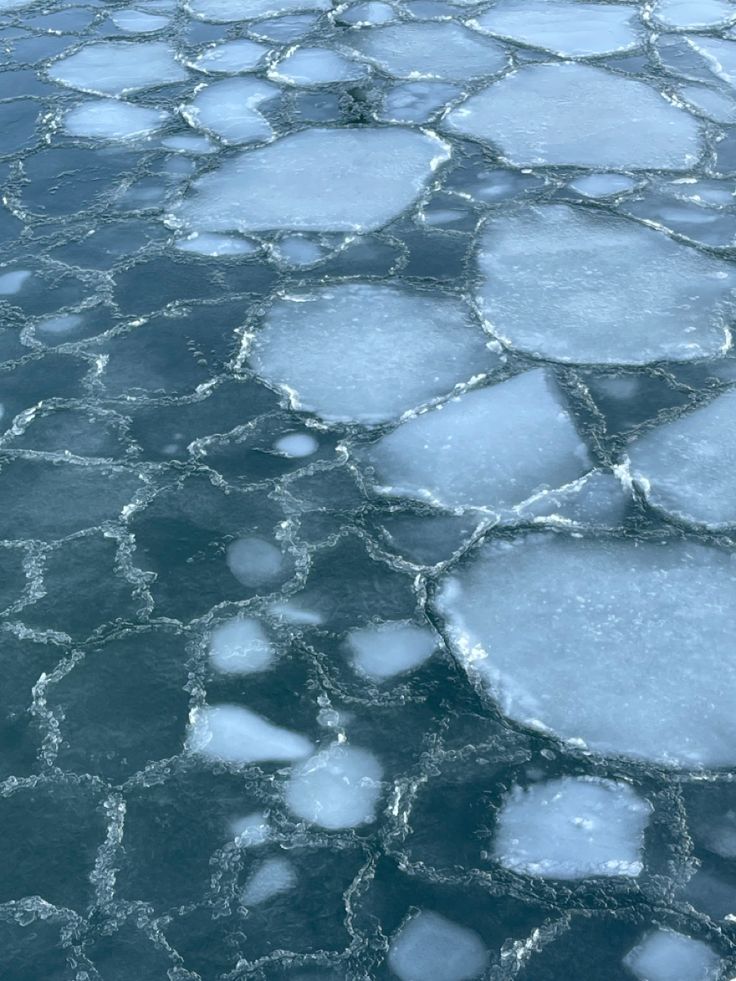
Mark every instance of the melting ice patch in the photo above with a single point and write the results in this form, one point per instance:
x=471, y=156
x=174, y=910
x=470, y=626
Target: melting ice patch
x=233, y=734
x=315, y=66
x=572, y=828
x=668, y=956
x=387, y=649
x=336, y=788
x=271, y=878
x=241, y=646
x=431, y=946
x=117, y=67
x=111, y=119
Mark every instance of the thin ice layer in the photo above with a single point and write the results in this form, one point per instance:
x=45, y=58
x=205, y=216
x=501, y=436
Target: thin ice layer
x=621, y=646
x=384, y=650
x=117, y=67
x=585, y=287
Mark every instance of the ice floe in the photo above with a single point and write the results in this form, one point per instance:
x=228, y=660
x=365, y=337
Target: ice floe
x=387, y=649
x=251, y=830
x=111, y=119
x=692, y=15
x=415, y=102
x=229, y=11
x=668, y=956
x=296, y=445
x=337, y=788
x=254, y=561
x=431, y=946
x=216, y=245
x=315, y=66
x=139, y=21
x=230, y=57
x=241, y=646
x=234, y=734
x=271, y=878
x=718, y=55
x=229, y=110
x=117, y=67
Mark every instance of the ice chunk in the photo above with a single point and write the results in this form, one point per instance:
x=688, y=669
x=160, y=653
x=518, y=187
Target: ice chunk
x=12, y=282
x=668, y=956
x=337, y=788
x=366, y=353
x=117, y=67
x=189, y=143
x=298, y=250
x=254, y=561
x=718, y=106
x=228, y=109
x=692, y=15
x=252, y=830
x=602, y=185
x=415, y=102
x=687, y=467
x=564, y=27
x=295, y=445
x=368, y=13
x=579, y=116
x=596, y=641
x=234, y=734
x=374, y=174
x=315, y=66
x=432, y=50
x=64, y=323
x=581, y=287
x=110, y=119
x=138, y=21
x=240, y=646
x=572, y=828
x=392, y=648
x=271, y=878
x=216, y=245
x=490, y=448
x=284, y=30
x=230, y=57
x=229, y=11
x=718, y=54
x=431, y=946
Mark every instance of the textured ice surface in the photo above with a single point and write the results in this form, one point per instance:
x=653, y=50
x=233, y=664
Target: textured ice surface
x=338, y=787
x=367, y=353
x=578, y=116
x=572, y=828
x=429, y=945
x=271, y=878
x=315, y=66
x=241, y=646
x=236, y=735
x=583, y=287
x=374, y=175
x=668, y=956
x=718, y=55
x=388, y=649
x=230, y=57
x=229, y=109
x=228, y=11
x=415, y=102
x=251, y=830
x=490, y=448
x=110, y=119
x=296, y=445
x=612, y=657
x=117, y=67
x=692, y=15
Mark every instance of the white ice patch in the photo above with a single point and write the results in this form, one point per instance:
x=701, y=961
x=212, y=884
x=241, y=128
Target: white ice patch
x=117, y=67
x=271, y=878
x=251, y=830
x=718, y=54
x=374, y=174
x=584, y=287
x=241, y=646
x=602, y=185
x=229, y=11
x=12, y=282
x=315, y=66
x=110, y=119
x=579, y=116
x=63, y=323
x=138, y=21
x=189, y=143
x=692, y=15
x=229, y=110
x=431, y=946
x=372, y=12
x=230, y=57
x=387, y=649
x=232, y=734
x=366, y=353
x=296, y=445
x=490, y=448
x=415, y=102
x=596, y=641
x=254, y=561
x=718, y=106
x=572, y=828
x=216, y=245
x=336, y=788
x=668, y=956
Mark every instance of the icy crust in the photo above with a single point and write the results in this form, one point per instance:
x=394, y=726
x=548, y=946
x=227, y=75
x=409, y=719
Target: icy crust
x=285, y=185
x=572, y=828
x=585, y=287
x=595, y=641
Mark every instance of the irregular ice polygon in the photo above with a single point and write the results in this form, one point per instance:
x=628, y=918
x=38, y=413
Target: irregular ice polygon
x=271, y=878
x=229, y=11
x=574, y=115
x=387, y=649
x=415, y=102
x=117, y=67
x=572, y=828
x=230, y=57
x=692, y=15
x=251, y=830
x=216, y=245
x=374, y=174
x=431, y=50
x=668, y=956
x=489, y=448
x=241, y=646
x=229, y=110
x=687, y=467
x=315, y=66
x=254, y=561
x=366, y=353
x=718, y=55
x=563, y=27
x=718, y=106
x=602, y=185
x=336, y=788
x=597, y=642
x=138, y=21
x=234, y=734
x=584, y=287
x=111, y=119
x=431, y=946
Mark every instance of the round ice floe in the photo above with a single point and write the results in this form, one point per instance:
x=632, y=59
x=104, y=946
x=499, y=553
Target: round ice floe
x=271, y=878
x=110, y=119
x=388, y=649
x=231, y=57
x=229, y=109
x=366, y=353
x=584, y=287
x=668, y=956
x=371, y=12
x=254, y=561
x=336, y=788
x=296, y=445
x=572, y=828
x=619, y=645
x=117, y=67
x=579, y=116
x=718, y=56
x=431, y=946
x=286, y=185
x=316, y=66
x=241, y=646
x=138, y=21
x=234, y=734
x=692, y=15
x=229, y=11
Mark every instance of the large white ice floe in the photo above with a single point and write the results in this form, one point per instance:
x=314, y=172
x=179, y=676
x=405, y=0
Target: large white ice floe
x=111, y=119
x=585, y=287
x=273, y=877
x=117, y=67
x=374, y=174
x=241, y=646
x=367, y=352
x=668, y=956
x=620, y=646
x=490, y=448
x=687, y=467
x=431, y=946
x=230, y=57
x=233, y=734
x=692, y=15
x=338, y=787
x=575, y=115
x=572, y=828
x=316, y=66
x=564, y=27
x=432, y=50
x=229, y=109
x=387, y=649
x=229, y=11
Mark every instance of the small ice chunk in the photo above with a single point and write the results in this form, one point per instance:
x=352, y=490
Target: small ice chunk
x=291, y=613
x=668, y=956
x=366, y=353
x=392, y=648
x=296, y=445
x=336, y=788
x=286, y=185
x=572, y=828
x=63, y=323
x=254, y=561
x=574, y=115
x=252, y=830
x=371, y=12
x=693, y=15
x=431, y=946
x=229, y=110
x=271, y=878
x=12, y=282
x=415, y=102
x=718, y=54
x=490, y=448
x=231, y=57
x=297, y=250
x=111, y=119
x=117, y=67
x=284, y=30
x=602, y=185
x=229, y=11
x=138, y=21
x=210, y=243
x=234, y=734
x=315, y=66
x=189, y=143
x=241, y=646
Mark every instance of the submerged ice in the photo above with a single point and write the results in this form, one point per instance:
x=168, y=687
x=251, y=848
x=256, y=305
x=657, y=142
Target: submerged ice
x=233, y=734
x=430, y=945
x=338, y=787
